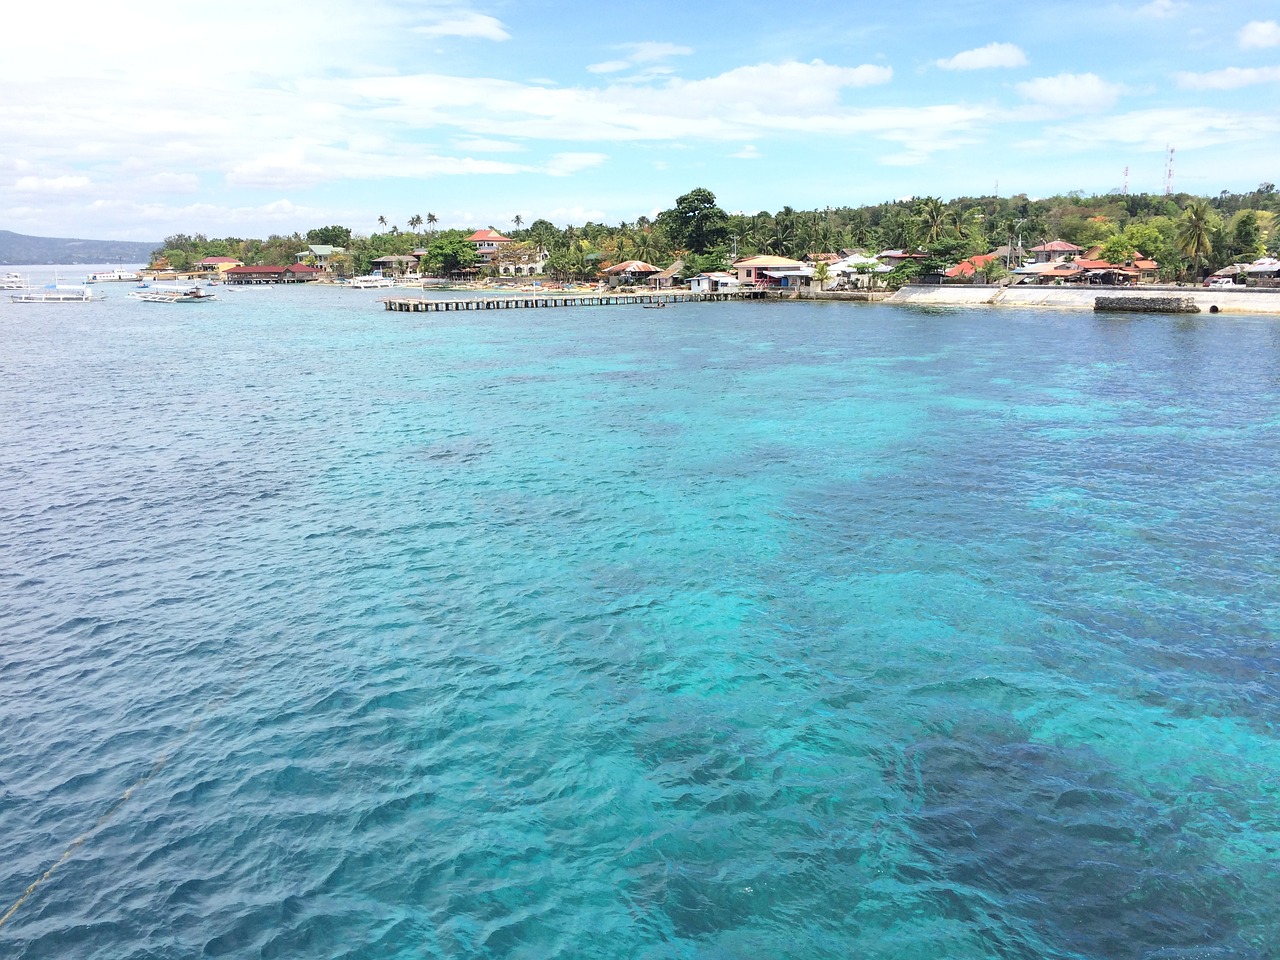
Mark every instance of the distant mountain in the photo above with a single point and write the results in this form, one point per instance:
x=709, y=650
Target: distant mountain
x=15, y=248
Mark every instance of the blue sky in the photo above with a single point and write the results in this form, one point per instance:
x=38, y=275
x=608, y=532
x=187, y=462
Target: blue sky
x=132, y=121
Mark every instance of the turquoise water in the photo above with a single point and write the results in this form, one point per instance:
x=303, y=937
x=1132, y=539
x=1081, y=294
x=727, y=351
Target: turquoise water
x=755, y=630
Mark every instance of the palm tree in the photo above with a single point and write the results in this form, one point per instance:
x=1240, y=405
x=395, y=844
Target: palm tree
x=1193, y=232
x=933, y=218
x=518, y=221
x=432, y=220
x=382, y=221
x=821, y=274
x=415, y=222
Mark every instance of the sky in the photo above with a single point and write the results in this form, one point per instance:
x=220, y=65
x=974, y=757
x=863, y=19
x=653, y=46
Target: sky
x=136, y=121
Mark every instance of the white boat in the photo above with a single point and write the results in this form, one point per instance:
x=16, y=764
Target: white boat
x=371, y=282
x=13, y=281
x=108, y=276
x=173, y=294
x=56, y=293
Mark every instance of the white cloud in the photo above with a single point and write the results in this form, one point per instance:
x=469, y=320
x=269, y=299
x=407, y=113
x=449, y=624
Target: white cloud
x=1260, y=33
x=464, y=23
x=749, y=152
x=649, y=52
x=1072, y=91
x=576, y=214
x=1161, y=9
x=982, y=58
x=287, y=168
x=1232, y=78
x=174, y=182
x=564, y=164
x=486, y=145
x=1192, y=129
x=51, y=184
x=610, y=66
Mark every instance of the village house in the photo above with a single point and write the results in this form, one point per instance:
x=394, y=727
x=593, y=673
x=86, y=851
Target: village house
x=1054, y=250
x=630, y=272
x=487, y=244
x=219, y=265
x=669, y=278
x=717, y=281
x=766, y=270
x=970, y=269
x=895, y=258
x=394, y=264
x=294, y=273
x=319, y=255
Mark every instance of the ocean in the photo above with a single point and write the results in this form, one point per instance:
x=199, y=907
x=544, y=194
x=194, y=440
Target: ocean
x=786, y=630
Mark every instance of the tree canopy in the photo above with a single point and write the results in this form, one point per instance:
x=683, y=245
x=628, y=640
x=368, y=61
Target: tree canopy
x=1231, y=227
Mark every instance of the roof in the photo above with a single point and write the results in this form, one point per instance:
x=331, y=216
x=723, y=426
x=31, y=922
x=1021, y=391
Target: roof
x=325, y=250
x=395, y=258
x=671, y=271
x=717, y=275
x=970, y=265
x=765, y=260
x=1055, y=246
x=633, y=266
x=219, y=260
x=491, y=236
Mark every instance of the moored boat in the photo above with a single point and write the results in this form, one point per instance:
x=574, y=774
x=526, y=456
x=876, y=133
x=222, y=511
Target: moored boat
x=56, y=293
x=372, y=282
x=172, y=294
x=12, y=281
x=109, y=276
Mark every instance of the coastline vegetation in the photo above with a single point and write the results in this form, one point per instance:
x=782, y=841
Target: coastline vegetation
x=1185, y=234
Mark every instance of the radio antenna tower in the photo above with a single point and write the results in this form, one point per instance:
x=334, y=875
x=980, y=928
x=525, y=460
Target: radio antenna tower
x=1125, y=189
x=1168, y=173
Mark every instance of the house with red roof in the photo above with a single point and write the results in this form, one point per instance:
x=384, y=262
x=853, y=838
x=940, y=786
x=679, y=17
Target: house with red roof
x=220, y=264
x=969, y=268
x=294, y=273
x=1054, y=250
x=487, y=244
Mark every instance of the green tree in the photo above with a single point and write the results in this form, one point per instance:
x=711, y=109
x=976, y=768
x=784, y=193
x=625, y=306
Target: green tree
x=1246, y=237
x=696, y=223
x=334, y=236
x=933, y=219
x=821, y=274
x=993, y=270
x=448, y=254
x=415, y=222
x=1117, y=249
x=1194, y=232
x=517, y=221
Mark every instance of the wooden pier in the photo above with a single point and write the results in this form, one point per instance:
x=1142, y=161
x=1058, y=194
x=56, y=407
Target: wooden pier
x=536, y=301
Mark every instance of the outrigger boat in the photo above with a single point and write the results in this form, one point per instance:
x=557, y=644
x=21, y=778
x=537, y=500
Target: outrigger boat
x=172, y=294
x=55, y=293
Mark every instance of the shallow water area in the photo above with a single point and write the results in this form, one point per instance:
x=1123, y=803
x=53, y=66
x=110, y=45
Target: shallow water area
x=760, y=629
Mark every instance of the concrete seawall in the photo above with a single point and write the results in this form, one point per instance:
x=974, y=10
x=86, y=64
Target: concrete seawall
x=1208, y=299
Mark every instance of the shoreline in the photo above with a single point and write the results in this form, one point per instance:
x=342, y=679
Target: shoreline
x=1245, y=301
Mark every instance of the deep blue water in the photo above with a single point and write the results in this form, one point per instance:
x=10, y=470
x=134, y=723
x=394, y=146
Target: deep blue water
x=759, y=630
